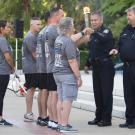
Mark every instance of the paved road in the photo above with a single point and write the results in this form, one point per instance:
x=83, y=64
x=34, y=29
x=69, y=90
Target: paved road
x=15, y=107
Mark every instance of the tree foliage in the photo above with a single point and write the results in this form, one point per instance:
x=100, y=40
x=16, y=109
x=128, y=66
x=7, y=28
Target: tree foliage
x=24, y=9
x=113, y=10
x=10, y=9
x=115, y=15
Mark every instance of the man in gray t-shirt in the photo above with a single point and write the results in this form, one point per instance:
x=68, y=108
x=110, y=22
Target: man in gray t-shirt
x=42, y=79
x=40, y=52
x=28, y=50
x=66, y=72
x=65, y=49
x=50, y=36
x=29, y=65
x=49, y=39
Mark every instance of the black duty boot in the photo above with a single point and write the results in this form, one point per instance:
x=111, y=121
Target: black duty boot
x=104, y=123
x=124, y=125
x=93, y=122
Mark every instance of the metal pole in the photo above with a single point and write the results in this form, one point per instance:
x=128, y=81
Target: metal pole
x=16, y=54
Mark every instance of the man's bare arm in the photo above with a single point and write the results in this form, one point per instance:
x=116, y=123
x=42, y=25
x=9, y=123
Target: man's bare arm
x=9, y=60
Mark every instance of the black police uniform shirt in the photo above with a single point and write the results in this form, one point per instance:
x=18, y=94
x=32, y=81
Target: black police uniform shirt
x=100, y=44
x=127, y=44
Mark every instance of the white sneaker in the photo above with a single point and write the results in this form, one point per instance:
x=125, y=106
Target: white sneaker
x=54, y=125
x=49, y=124
x=29, y=117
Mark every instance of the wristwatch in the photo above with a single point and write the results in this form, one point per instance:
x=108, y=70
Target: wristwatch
x=82, y=33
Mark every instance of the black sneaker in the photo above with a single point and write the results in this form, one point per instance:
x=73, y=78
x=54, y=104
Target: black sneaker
x=38, y=120
x=43, y=122
x=68, y=125
x=5, y=123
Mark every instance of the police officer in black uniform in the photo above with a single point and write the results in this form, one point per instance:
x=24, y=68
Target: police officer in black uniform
x=101, y=43
x=127, y=54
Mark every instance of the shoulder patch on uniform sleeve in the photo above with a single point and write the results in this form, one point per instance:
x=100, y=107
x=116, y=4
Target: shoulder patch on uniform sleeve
x=106, y=31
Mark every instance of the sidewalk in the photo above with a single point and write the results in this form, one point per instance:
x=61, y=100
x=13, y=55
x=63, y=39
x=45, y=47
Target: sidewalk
x=86, y=99
x=14, y=109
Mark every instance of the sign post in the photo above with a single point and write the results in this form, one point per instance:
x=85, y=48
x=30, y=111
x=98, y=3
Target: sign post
x=16, y=54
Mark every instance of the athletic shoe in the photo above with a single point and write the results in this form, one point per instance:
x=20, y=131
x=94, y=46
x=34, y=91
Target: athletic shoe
x=5, y=123
x=38, y=120
x=54, y=125
x=66, y=129
x=68, y=125
x=49, y=124
x=42, y=122
x=29, y=117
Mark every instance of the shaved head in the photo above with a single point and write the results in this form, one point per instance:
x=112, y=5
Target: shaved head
x=35, y=24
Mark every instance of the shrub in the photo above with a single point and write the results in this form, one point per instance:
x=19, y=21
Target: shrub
x=83, y=59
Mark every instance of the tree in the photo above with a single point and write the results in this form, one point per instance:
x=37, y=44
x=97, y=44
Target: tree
x=9, y=9
x=115, y=15
x=24, y=9
x=19, y=9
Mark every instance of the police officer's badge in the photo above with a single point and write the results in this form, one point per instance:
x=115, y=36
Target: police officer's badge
x=106, y=31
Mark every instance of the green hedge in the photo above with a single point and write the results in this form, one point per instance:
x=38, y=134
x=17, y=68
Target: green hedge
x=12, y=42
x=83, y=58
x=19, y=58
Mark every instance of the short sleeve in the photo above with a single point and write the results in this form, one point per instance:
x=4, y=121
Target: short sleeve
x=31, y=44
x=4, y=46
x=52, y=33
x=70, y=49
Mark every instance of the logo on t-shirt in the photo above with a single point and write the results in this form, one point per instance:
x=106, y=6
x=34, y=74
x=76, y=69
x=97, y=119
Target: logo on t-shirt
x=58, y=56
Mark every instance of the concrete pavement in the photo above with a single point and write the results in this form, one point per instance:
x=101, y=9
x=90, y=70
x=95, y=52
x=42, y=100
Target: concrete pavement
x=14, y=109
x=86, y=96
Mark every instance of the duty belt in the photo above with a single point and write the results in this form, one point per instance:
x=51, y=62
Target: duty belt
x=97, y=60
x=129, y=63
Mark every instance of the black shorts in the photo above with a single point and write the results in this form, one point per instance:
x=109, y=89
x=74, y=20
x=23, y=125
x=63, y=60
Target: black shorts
x=51, y=85
x=42, y=81
x=30, y=81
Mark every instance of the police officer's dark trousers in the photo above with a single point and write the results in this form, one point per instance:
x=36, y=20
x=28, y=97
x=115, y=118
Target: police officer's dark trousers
x=103, y=80
x=129, y=91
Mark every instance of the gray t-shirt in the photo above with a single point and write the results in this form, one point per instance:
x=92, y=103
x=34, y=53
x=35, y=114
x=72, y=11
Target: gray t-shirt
x=28, y=47
x=5, y=68
x=65, y=49
x=40, y=52
x=50, y=37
